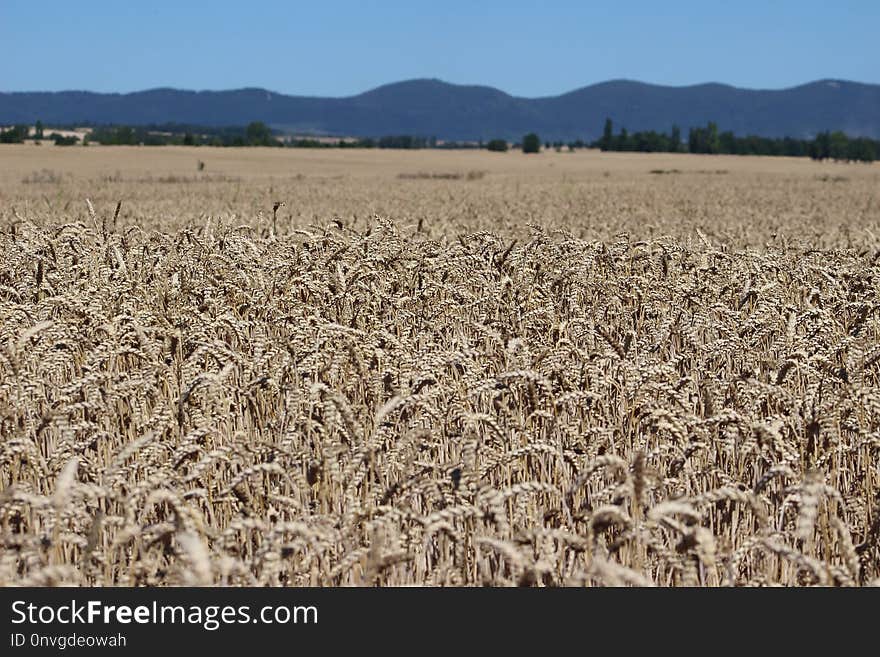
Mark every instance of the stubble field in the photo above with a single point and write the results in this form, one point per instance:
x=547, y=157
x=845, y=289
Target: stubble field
x=437, y=368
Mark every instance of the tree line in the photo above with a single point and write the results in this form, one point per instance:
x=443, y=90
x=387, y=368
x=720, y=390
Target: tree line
x=17, y=134
x=258, y=133
x=255, y=133
x=825, y=145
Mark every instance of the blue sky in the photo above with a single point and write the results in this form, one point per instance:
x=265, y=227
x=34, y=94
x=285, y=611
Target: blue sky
x=342, y=48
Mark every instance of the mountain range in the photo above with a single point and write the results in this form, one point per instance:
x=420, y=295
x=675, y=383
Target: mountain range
x=430, y=107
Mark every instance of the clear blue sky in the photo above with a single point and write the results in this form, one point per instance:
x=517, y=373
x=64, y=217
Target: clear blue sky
x=341, y=48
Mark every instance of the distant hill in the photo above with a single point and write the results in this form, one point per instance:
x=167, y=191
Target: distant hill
x=448, y=111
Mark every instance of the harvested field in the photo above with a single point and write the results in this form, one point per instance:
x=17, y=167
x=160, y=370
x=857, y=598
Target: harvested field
x=571, y=369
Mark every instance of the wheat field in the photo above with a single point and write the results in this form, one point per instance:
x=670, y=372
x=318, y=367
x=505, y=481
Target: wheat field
x=437, y=368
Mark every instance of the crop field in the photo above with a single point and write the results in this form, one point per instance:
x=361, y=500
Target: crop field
x=437, y=368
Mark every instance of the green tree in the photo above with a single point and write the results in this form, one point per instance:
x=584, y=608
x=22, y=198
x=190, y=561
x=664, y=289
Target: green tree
x=821, y=147
x=607, y=140
x=704, y=140
x=838, y=146
x=675, y=140
x=258, y=134
x=531, y=143
x=497, y=145
x=694, y=140
x=713, y=141
x=793, y=147
x=126, y=135
x=861, y=150
x=727, y=142
x=38, y=130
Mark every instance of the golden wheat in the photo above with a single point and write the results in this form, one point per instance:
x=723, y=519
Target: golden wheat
x=495, y=381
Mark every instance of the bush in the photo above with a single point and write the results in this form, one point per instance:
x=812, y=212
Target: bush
x=531, y=143
x=15, y=135
x=497, y=145
x=62, y=140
